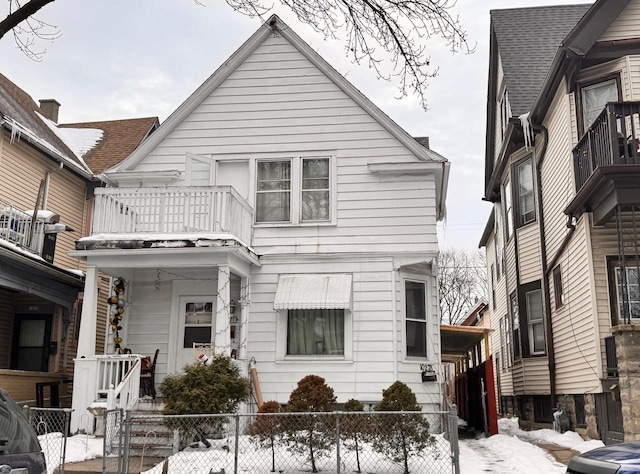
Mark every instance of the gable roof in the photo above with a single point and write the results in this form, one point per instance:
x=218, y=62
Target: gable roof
x=273, y=24
x=527, y=40
x=119, y=139
x=22, y=115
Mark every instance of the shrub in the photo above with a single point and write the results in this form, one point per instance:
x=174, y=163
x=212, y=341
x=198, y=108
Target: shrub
x=313, y=435
x=400, y=436
x=204, y=389
x=265, y=429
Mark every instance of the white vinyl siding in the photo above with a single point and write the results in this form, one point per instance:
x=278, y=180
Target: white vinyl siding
x=530, y=262
x=626, y=25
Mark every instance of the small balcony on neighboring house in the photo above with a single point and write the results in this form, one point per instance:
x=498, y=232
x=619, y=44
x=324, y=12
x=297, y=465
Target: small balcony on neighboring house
x=141, y=213
x=24, y=232
x=606, y=163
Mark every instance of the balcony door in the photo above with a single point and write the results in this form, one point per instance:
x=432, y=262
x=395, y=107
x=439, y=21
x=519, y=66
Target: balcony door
x=31, y=339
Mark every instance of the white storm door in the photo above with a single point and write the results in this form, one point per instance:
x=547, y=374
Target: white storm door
x=196, y=324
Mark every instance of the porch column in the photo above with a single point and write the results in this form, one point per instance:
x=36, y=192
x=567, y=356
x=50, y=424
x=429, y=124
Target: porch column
x=244, y=318
x=222, y=340
x=87, y=335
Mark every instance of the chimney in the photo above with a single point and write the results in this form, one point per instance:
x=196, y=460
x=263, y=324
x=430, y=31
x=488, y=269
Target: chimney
x=49, y=108
x=424, y=141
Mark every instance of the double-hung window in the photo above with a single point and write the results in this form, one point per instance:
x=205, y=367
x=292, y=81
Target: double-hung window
x=515, y=325
x=296, y=190
x=526, y=199
x=535, y=321
x=315, y=332
x=416, y=318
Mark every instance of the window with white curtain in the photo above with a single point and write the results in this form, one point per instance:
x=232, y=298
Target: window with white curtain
x=507, y=207
x=296, y=190
x=416, y=318
x=595, y=97
x=315, y=332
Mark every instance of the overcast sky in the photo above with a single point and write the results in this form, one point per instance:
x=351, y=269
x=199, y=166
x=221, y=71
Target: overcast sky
x=138, y=58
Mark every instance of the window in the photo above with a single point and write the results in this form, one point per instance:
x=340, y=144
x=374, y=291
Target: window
x=505, y=113
x=508, y=208
x=502, y=344
x=628, y=292
x=499, y=247
x=508, y=354
x=493, y=287
x=295, y=190
x=557, y=287
x=273, y=191
x=542, y=410
x=198, y=319
x=594, y=97
x=535, y=321
x=526, y=199
x=315, y=332
x=416, y=318
x=315, y=189
x=515, y=325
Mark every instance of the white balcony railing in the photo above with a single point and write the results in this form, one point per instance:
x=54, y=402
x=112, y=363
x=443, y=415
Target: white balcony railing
x=172, y=210
x=19, y=228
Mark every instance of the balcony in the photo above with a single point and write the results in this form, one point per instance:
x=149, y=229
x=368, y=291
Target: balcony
x=33, y=235
x=606, y=162
x=172, y=210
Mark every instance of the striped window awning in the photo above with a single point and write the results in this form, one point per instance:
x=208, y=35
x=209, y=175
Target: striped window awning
x=315, y=291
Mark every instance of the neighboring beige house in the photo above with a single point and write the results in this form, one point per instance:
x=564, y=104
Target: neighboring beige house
x=51, y=170
x=277, y=216
x=563, y=169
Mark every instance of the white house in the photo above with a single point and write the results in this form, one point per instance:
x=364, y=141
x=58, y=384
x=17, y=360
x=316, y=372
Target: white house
x=283, y=218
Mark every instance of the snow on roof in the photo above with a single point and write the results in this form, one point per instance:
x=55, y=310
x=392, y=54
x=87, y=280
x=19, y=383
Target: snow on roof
x=18, y=130
x=11, y=246
x=79, y=140
x=167, y=240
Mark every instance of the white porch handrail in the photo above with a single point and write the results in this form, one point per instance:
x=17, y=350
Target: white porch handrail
x=111, y=371
x=172, y=209
x=125, y=395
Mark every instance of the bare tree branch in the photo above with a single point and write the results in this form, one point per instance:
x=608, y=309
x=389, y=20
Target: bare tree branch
x=21, y=14
x=462, y=281
x=26, y=28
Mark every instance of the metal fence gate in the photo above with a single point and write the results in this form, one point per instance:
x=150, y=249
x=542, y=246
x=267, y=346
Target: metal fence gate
x=292, y=443
x=52, y=427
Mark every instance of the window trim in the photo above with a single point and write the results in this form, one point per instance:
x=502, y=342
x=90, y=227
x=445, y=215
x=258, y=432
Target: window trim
x=514, y=314
x=428, y=347
x=295, y=202
x=531, y=324
x=519, y=218
x=578, y=97
x=526, y=346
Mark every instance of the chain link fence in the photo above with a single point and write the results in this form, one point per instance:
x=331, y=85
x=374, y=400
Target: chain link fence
x=338, y=442
x=52, y=427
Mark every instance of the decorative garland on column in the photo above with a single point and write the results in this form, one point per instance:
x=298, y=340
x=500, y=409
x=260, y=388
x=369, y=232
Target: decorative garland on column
x=117, y=304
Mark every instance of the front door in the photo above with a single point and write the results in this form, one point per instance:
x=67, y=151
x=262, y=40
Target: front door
x=31, y=339
x=196, y=326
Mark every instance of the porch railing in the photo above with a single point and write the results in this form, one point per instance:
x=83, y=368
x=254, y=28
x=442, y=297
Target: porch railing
x=612, y=139
x=17, y=227
x=111, y=371
x=181, y=210
x=125, y=395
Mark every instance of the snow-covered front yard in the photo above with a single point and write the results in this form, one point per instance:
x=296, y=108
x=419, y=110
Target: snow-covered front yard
x=511, y=451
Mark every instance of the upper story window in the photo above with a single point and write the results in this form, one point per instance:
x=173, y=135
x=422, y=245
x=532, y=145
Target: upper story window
x=526, y=198
x=533, y=300
x=507, y=207
x=416, y=318
x=505, y=113
x=295, y=190
x=493, y=287
x=515, y=325
x=557, y=287
x=594, y=97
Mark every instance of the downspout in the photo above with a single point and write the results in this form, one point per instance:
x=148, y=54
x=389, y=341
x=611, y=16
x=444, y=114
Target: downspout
x=47, y=180
x=394, y=344
x=551, y=355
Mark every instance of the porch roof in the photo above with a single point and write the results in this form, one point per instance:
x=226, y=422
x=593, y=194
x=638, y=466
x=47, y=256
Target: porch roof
x=314, y=291
x=457, y=341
